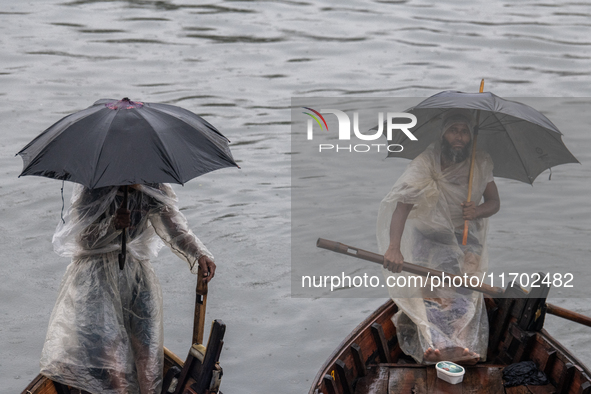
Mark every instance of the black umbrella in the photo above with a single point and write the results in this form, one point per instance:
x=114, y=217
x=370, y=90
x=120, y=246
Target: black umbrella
x=125, y=143
x=119, y=143
x=521, y=141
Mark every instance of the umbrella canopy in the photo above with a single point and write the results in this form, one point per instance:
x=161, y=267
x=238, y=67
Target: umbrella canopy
x=124, y=143
x=521, y=141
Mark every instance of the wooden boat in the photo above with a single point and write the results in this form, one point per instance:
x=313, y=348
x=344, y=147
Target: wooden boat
x=370, y=361
x=200, y=373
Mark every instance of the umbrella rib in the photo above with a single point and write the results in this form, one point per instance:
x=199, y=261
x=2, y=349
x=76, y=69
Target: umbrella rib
x=209, y=126
x=216, y=144
x=514, y=146
x=100, y=153
x=173, y=166
x=67, y=118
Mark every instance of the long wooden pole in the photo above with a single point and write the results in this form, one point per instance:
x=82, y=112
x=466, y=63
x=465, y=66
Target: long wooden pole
x=200, y=304
x=569, y=315
x=471, y=176
x=423, y=271
x=407, y=267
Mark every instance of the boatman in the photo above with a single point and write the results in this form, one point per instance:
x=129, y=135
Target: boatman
x=105, y=332
x=421, y=221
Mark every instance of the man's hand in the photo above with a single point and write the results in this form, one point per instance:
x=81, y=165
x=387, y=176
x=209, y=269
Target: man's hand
x=489, y=207
x=469, y=210
x=393, y=260
x=122, y=218
x=208, y=268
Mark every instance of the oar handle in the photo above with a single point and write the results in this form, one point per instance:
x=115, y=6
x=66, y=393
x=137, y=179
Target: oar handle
x=407, y=267
x=569, y=315
x=200, y=306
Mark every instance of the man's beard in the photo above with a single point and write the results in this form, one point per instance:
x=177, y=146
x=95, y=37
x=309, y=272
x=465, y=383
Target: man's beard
x=454, y=155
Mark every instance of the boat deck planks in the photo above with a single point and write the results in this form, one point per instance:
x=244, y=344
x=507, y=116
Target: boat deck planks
x=483, y=379
x=370, y=361
x=415, y=379
x=376, y=381
x=480, y=379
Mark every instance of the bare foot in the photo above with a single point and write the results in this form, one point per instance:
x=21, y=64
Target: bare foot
x=432, y=355
x=458, y=355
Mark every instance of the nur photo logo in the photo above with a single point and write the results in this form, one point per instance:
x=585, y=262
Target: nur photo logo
x=344, y=130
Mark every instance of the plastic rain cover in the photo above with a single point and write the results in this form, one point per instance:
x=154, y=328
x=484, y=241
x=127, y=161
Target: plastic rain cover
x=432, y=237
x=105, y=332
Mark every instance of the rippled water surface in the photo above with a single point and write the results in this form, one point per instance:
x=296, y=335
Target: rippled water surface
x=238, y=63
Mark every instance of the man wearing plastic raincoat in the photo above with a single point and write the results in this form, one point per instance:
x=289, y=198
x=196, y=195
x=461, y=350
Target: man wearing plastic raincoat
x=105, y=332
x=421, y=221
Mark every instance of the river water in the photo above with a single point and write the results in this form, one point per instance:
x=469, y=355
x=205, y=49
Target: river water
x=238, y=63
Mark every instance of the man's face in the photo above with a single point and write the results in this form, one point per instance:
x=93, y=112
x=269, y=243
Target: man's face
x=456, y=142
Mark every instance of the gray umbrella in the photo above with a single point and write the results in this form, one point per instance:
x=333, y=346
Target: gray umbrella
x=120, y=143
x=521, y=141
x=126, y=142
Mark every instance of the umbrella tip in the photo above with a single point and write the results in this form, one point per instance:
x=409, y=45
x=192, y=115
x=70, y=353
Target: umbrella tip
x=125, y=99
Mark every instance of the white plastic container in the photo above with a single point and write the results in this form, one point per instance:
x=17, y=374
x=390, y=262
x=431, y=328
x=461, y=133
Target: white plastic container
x=450, y=372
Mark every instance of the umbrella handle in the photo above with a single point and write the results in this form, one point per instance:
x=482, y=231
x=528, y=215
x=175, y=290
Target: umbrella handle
x=471, y=176
x=123, y=253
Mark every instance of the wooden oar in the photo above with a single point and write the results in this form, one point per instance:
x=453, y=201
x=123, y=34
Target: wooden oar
x=200, y=304
x=569, y=315
x=423, y=271
x=471, y=176
x=407, y=267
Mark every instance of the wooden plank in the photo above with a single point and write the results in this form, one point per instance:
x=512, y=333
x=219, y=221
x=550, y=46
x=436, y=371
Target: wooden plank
x=566, y=379
x=545, y=389
x=411, y=380
x=579, y=378
x=549, y=365
x=342, y=376
x=41, y=385
x=532, y=316
x=483, y=379
x=200, y=306
x=357, y=360
x=329, y=384
x=499, y=328
x=382, y=344
x=171, y=359
x=517, y=390
x=375, y=382
x=362, y=336
x=525, y=347
x=199, y=366
x=172, y=373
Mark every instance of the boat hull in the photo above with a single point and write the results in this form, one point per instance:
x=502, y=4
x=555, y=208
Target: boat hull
x=43, y=385
x=369, y=360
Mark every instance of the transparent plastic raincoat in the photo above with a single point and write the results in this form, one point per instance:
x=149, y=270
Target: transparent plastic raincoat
x=105, y=332
x=449, y=319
